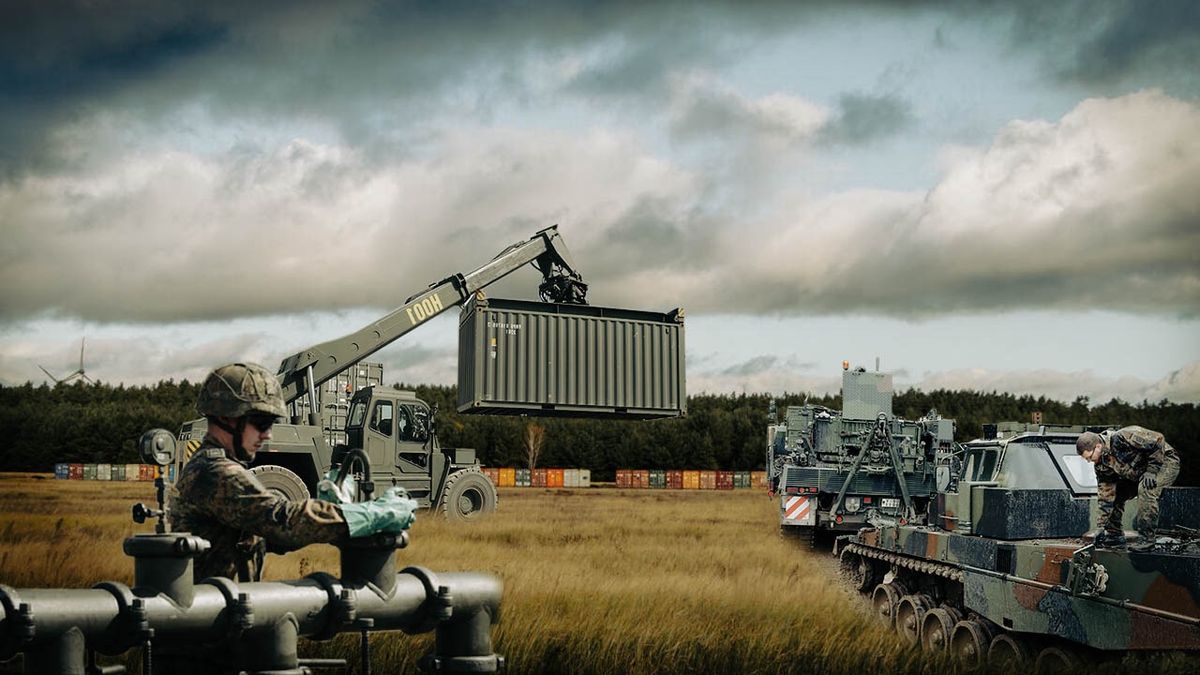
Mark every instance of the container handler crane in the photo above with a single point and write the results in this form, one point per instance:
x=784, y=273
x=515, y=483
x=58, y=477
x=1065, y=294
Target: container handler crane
x=394, y=430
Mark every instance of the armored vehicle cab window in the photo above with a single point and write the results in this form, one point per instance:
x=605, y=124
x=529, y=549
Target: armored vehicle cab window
x=981, y=464
x=1078, y=471
x=381, y=418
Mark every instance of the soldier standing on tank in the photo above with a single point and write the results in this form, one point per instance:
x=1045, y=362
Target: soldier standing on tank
x=1129, y=462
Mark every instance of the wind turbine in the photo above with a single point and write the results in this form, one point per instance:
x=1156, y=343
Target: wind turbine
x=78, y=374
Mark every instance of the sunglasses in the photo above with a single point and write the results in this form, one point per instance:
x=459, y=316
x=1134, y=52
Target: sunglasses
x=263, y=424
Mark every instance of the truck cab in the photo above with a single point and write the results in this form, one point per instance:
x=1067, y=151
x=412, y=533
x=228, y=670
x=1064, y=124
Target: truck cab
x=395, y=429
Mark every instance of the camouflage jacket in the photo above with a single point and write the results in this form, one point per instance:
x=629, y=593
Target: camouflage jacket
x=1131, y=452
x=218, y=499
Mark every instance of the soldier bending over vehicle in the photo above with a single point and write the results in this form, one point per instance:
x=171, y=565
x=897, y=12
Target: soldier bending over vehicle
x=1131, y=461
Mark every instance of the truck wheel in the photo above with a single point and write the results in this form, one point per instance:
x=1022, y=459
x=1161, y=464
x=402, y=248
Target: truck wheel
x=467, y=496
x=281, y=481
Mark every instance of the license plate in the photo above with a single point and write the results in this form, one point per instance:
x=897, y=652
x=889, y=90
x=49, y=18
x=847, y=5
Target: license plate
x=890, y=502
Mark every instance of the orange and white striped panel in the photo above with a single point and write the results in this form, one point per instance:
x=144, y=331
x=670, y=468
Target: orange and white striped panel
x=799, y=510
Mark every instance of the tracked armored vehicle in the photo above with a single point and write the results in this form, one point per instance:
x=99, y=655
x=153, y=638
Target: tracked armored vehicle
x=832, y=469
x=1005, y=569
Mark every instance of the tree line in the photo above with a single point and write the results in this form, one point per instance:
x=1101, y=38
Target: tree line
x=100, y=423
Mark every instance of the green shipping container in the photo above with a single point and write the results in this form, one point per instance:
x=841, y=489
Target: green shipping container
x=118, y=472
x=89, y=472
x=517, y=357
x=658, y=478
x=741, y=480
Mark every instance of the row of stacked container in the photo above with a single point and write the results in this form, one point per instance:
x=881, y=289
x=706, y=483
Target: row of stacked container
x=509, y=477
x=690, y=480
x=109, y=472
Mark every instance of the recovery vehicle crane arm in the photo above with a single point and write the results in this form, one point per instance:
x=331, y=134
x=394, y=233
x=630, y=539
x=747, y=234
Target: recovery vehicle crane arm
x=303, y=372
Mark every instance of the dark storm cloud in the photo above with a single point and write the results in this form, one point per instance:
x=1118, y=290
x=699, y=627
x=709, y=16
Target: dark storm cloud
x=863, y=118
x=1105, y=43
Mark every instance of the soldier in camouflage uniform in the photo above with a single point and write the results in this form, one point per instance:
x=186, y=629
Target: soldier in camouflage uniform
x=217, y=498
x=1130, y=462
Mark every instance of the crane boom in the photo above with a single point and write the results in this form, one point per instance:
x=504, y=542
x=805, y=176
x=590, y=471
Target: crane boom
x=304, y=371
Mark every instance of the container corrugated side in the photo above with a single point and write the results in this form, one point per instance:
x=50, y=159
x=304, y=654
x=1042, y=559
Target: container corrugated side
x=132, y=472
x=62, y=471
x=508, y=477
x=522, y=477
x=493, y=474
x=624, y=478
x=570, y=478
x=554, y=478
x=519, y=357
x=89, y=472
x=691, y=480
x=708, y=480
x=104, y=472
x=675, y=479
x=585, y=478
x=758, y=479
x=537, y=478
x=724, y=480
x=75, y=471
x=658, y=478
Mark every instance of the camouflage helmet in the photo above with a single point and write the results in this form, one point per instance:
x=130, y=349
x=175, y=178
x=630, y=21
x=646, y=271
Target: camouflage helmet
x=241, y=389
x=1086, y=441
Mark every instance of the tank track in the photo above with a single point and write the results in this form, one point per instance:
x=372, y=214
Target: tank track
x=907, y=562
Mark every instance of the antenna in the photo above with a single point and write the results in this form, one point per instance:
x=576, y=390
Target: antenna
x=78, y=374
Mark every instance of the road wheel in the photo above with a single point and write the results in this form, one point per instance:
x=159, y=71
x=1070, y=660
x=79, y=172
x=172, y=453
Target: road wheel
x=936, y=628
x=1009, y=653
x=909, y=614
x=467, y=496
x=884, y=601
x=281, y=481
x=969, y=642
x=1057, y=660
x=859, y=571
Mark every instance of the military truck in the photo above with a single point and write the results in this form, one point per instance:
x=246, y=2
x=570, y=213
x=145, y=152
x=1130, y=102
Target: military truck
x=1005, y=570
x=832, y=470
x=395, y=429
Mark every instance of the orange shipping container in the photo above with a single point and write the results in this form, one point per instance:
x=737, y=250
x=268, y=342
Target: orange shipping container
x=641, y=478
x=492, y=474
x=508, y=477
x=674, y=480
x=724, y=480
x=554, y=478
x=146, y=472
x=624, y=478
x=708, y=480
x=758, y=479
x=538, y=478
x=691, y=480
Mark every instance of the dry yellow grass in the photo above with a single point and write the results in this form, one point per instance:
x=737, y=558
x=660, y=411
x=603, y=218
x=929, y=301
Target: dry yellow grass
x=596, y=581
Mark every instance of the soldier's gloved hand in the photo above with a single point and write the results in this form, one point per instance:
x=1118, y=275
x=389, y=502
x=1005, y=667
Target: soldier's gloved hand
x=392, y=513
x=1149, y=481
x=328, y=489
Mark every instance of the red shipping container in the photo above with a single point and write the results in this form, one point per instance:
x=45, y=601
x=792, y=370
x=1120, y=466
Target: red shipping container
x=624, y=478
x=554, y=478
x=708, y=480
x=147, y=472
x=75, y=472
x=537, y=478
x=675, y=480
x=493, y=474
x=641, y=478
x=724, y=480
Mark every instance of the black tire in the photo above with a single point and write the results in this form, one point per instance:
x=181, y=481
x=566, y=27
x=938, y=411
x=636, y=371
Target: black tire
x=468, y=495
x=281, y=481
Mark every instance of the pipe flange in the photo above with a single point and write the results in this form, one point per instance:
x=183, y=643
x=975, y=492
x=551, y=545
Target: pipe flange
x=241, y=611
x=118, y=637
x=434, y=608
x=338, y=610
x=10, y=608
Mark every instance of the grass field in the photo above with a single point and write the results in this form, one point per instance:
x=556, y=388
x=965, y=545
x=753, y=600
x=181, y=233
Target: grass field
x=596, y=581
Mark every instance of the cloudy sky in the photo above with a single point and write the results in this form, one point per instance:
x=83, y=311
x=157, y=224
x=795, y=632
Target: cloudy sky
x=988, y=197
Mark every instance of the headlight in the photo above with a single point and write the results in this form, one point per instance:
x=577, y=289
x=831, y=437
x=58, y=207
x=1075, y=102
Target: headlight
x=853, y=504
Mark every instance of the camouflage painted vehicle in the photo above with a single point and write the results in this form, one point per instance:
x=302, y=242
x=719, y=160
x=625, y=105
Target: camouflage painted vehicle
x=1005, y=570
x=832, y=470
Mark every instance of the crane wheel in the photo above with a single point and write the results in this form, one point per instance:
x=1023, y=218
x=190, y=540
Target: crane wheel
x=467, y=496
x=281, y=481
